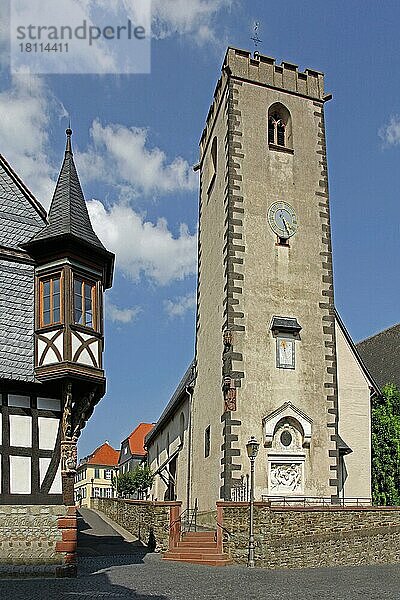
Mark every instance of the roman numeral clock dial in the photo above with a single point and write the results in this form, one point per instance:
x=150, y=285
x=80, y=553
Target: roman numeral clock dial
x=282, y=220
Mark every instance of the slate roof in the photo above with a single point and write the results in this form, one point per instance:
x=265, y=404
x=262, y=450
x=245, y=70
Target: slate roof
x=16, y=321
x=68, y=214
x=369, y=374
x=21, y=215
x=381, y=354
x=177, y=398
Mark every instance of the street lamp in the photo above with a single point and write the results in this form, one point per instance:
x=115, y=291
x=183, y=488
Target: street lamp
x=252, y=451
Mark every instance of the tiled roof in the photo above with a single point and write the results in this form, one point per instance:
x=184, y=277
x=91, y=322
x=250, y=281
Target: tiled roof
x=381, y=354
x=104, y=455
x=68, y=213
x=136, y=438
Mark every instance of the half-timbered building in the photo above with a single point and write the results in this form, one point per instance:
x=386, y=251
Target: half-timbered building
x=53, y=273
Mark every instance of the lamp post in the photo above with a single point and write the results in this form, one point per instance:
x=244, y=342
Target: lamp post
x=252, y=451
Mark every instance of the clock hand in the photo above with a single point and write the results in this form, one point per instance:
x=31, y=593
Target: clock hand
x=286, y=225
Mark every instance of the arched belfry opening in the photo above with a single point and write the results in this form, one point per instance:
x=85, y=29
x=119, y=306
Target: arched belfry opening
x=280, y=126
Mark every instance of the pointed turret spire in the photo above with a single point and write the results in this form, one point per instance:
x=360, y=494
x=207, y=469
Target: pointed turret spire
x=68, y=215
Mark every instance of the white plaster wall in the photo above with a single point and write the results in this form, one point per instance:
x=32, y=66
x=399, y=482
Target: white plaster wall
x=20, y=475
x=48, y=429
x=172, y=433
x=354, y=419
x=20, y=431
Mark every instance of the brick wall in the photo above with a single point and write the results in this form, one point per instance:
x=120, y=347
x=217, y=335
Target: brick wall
x=154, y=523
x=38, y=535
x=297, y=537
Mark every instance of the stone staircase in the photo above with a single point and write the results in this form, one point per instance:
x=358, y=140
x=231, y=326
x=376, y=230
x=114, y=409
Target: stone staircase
x=199, y=548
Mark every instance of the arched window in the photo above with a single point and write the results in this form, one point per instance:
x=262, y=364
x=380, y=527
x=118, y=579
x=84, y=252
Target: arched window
x=279, y=126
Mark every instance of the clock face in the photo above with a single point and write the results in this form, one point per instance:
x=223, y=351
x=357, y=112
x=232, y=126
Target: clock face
x=282, y=219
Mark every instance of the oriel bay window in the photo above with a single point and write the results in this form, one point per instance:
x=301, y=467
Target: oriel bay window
x=50, y=300
x=85, y=302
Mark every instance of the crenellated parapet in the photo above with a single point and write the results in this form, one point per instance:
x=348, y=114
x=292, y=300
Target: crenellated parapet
x=263, y=70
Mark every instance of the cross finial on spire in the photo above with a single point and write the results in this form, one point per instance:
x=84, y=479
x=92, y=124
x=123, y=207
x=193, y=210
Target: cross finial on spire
x=255, y=37
x=68, y=131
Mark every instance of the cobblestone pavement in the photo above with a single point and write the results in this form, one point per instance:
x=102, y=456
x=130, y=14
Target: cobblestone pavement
x=149, y=578
x=141, y=576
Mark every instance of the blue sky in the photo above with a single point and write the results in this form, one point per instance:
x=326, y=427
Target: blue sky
x=136, y=139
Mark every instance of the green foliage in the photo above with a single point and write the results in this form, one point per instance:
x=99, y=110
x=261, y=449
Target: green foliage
x=136, y=481
x=386, y=448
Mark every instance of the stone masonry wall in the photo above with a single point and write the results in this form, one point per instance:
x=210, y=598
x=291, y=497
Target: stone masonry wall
x=141, y=518
x=38, y=535
x=297, y=537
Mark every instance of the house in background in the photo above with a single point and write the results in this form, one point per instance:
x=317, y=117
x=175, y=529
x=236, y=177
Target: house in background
x=94, y=475
x=132, y=451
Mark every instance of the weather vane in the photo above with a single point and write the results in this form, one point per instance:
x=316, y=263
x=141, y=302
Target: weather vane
x=255, y=37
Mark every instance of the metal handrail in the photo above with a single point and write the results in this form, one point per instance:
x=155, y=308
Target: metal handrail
x=194, y=514
x=188, y=512
x=224, y=528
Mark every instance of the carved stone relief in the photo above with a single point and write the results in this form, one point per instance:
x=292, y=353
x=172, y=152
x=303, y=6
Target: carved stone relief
x=286, y=478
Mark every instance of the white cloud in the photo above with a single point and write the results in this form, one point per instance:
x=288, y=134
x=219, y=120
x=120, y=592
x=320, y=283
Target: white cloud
x=96, y=56
x=390, y=133
x=179, y=306
x=120, y=156
x=26, y=110
x=122, y=315
x=188, y=17
x=143, y=247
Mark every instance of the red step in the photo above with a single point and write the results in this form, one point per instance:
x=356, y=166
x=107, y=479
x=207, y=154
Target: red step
x=198, y=535
x=198, y=548
x=189, y=544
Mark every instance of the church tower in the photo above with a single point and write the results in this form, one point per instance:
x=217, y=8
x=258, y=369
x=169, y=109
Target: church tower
x=265, y=344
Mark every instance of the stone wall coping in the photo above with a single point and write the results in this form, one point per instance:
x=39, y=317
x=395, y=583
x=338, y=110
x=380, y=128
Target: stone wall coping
x=144, y=502
x=230, y=504
x=332, y=508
